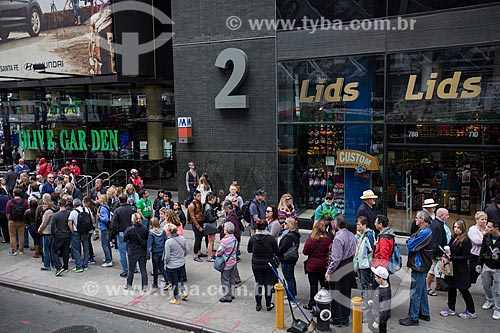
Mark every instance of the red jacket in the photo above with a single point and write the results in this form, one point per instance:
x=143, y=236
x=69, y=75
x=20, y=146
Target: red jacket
x=75, y=169
x=317, y=252
x=384, y=248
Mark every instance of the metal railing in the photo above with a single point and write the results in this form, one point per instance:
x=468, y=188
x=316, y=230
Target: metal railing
x=108, y=180
x=408, y=199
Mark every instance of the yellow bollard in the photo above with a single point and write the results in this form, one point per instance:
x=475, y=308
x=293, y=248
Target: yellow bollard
x=280, y=306
x=357, y=314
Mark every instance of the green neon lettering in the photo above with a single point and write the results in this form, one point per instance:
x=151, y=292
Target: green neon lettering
x=63, y=139
x=50, y=140
x=96, y=140
x=104, y=140
x=113, y=139
x=39, y=137
x=81, y=140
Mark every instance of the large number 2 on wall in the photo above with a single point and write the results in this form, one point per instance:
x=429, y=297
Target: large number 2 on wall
x=224, y=100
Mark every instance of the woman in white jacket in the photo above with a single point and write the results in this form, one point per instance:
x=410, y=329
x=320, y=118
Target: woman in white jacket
x=476, y=233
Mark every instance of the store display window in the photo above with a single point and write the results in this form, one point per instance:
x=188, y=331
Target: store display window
x=330, y=114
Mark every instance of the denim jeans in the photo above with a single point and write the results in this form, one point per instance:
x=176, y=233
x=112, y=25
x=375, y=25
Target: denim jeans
x=365, y=276
x=158, y=265
x=132, y=262
x=122, y=249
x=289, y=274
x=177, y=283
x=145, y=223
x=76, y=7
x=192, y=188
x=47, y=244
x=419, y=303
x=491, y=285
x=26, y=238
x=77, y=240
x=106, y=245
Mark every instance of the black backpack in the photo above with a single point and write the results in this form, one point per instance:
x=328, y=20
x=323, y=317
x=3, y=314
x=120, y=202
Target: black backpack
x=17, y=213
x=84, y=224
x=245, y=210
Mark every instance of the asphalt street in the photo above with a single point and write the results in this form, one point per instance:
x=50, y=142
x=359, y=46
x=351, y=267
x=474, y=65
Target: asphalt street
x=24, y=312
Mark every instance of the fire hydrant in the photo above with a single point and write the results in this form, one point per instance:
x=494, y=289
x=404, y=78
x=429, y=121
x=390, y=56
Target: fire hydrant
x=322, y=310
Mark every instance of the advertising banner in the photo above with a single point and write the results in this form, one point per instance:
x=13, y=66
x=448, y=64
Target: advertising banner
x=38, y=37
x=357, y=160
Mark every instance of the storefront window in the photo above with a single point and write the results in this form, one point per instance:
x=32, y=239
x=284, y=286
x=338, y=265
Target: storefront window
x=329, y=111
x=101, y=126
x=443, y=132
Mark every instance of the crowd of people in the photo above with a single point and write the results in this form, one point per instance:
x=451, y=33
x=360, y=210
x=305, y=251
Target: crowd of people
x=49, y=208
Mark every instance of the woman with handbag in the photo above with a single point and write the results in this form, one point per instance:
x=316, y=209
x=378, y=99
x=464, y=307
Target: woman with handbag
x=263, y=247
x=136, y=237
x=460, y=247
x=288, y=254
x=227, y=251
x=317, y=248
x=210, y=224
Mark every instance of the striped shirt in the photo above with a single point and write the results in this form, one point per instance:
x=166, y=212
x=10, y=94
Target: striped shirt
x=227, y=244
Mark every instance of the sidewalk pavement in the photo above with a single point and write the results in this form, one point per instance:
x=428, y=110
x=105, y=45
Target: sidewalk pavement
x=102, y=288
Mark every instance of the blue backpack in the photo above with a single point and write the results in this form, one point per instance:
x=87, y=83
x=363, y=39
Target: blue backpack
x=396, y=261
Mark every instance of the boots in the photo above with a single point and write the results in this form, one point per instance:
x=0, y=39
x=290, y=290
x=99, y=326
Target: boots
x=37, y=251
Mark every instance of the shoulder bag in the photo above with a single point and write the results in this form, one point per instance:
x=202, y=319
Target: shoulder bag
x=292, y=254
x=220, y=262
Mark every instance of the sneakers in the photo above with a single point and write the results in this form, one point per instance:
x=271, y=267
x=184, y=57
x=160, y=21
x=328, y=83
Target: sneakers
x=91, y=261
x=45, y=269
x=447, y=312
x=123, y=274
x=467, y=315
x=20, y=252
x=184, y=296
x=12, y=253
x=59, y=271
x=211, y=259
x=167, y=286
x=197, y=259
x=488, y=304
x=175, y=301
x=107, y=264
x=77, y=270
x=496, y=314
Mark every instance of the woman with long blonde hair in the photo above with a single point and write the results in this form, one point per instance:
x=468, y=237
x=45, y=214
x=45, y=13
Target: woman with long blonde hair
x=286, y=209
x=172, y=218
x=476, y=234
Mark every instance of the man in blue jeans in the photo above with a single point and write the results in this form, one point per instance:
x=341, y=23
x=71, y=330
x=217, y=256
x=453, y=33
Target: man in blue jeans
x=79, y=239
x=420, y=251
x=122, y=219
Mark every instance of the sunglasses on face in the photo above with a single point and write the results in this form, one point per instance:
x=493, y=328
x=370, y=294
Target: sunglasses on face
x=269, y=211
x=328, y=198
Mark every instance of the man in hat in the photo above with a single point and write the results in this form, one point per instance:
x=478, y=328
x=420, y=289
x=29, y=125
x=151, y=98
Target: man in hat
x=367, y=209
x=136, y=180
x=257, y=210
x=430, y=208
x=75, y=169
x=327, y=208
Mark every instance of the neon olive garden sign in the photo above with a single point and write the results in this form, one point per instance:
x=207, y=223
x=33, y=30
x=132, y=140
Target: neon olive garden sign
x=106, y=140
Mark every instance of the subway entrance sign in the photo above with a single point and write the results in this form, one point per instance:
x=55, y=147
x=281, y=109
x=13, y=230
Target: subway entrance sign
x=184, y=130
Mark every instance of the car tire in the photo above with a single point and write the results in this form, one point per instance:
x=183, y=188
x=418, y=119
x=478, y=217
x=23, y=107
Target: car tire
x=4, y=34
x=34, y=22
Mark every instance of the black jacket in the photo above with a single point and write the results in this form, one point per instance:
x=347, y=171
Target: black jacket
x=287, y=242
x=485, y=254
x=493, y=212
x=369, y=213
x=460, y=256
x=122, y=217
x=439, y=236
x=134, y=245
x=262, y=247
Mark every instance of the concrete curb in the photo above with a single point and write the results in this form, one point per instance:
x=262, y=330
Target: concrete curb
x=108, y=308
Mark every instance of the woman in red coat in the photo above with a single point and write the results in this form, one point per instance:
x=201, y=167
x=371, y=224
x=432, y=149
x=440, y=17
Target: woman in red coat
x=317, y=248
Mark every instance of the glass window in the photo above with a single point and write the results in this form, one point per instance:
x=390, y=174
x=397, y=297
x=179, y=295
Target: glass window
x=452, y=85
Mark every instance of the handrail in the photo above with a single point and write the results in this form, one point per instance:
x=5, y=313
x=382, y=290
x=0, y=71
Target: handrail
x=408, y=198
x=84, y=178
x=114, y=174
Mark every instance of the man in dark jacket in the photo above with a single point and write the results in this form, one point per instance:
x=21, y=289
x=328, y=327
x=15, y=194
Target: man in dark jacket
x=440, y=240
x=420, y=250
x=489, y=264
x=10, y=179
x=367, y=209
x=61, y=237
x=493, y=210
x=122, y=219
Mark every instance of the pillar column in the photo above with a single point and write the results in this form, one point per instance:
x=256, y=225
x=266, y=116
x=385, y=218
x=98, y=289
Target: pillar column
x=155, y=122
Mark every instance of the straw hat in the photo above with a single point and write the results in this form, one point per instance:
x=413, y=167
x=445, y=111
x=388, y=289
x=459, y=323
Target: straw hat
x=368, y=194
x=429, y=203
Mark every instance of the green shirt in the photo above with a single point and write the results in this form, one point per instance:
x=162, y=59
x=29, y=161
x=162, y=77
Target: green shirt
x=145, y=206
x=323, y=210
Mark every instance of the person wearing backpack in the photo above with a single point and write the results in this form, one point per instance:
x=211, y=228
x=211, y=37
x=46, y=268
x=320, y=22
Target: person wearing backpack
x=81, y=222
x=257, y=211
x=365, y=238
x=384, y=244
x=15, y=213
x=288, y=254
